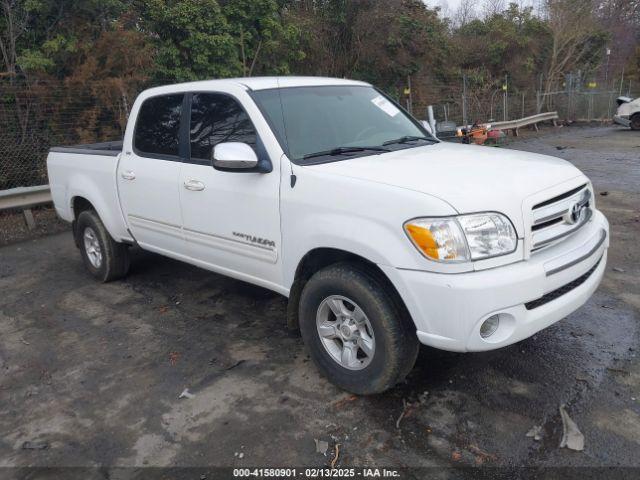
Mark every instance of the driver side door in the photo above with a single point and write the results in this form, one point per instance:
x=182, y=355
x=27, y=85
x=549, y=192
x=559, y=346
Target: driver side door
x=231, y=219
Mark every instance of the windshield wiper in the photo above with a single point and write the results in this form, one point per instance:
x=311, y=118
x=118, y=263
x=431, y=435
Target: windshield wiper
x=407, y=139
x=344, y=151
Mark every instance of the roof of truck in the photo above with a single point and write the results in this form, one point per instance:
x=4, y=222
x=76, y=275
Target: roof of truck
x=263, y=83
x=259, y=83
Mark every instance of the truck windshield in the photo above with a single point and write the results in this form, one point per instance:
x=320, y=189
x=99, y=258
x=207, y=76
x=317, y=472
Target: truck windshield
x=327, y=123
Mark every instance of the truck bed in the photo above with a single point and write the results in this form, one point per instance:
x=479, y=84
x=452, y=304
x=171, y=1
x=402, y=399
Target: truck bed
x=88, y=172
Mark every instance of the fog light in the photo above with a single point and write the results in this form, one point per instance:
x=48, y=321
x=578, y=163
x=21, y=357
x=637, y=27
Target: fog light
x=489, y=326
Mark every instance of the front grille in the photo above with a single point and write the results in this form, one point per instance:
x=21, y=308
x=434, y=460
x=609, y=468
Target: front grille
x=542, y=225
x=560, y=216
x=558, y=292
x=559, y=197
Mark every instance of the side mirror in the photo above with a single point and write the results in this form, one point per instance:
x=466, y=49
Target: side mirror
x=426, y=126
x=234, y=156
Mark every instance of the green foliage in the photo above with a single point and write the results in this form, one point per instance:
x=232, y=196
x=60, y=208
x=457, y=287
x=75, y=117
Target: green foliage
x=43, y=58
x=381, y=41
x=266, y=43
x=513, y=41
x=197, y=39
x=35, y=60
x=193, y=39
x=378, y=41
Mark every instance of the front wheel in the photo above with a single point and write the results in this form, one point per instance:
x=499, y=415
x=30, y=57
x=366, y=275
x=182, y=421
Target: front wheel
x=356, y=332
x=635, y=122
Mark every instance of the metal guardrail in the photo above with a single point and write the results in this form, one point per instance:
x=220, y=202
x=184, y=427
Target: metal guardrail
x=523, y=122
x=24, y=197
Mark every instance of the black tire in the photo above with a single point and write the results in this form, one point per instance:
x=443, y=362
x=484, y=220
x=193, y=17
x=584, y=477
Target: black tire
x=396, y=343
x=114, y=262
x=635, y=122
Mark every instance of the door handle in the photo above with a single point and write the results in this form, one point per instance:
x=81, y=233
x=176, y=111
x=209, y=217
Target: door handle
x=128, y=175
x=194, y=185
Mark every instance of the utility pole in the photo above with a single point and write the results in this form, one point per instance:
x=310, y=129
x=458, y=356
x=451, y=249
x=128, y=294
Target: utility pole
x=621, y=80
x=539, y=95
x=504, y=99
x=410, y=94
x=464, y=99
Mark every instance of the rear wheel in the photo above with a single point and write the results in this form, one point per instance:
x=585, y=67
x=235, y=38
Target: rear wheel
x=105, y=258
x=635, y=122
x=357, y=334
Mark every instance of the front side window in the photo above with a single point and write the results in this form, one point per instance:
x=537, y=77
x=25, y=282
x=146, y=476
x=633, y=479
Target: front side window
x=157, y=131
x=217, y=118
x=327, y=123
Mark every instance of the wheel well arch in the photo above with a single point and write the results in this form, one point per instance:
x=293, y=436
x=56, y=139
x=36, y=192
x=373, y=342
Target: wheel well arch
x=319, y=258
x=78, y=205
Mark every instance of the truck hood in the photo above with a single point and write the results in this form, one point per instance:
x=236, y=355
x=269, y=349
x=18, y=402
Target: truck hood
x=468, y=177
x=627, y=106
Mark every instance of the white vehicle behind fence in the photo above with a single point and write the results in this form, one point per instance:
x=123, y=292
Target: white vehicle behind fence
x=329, y=193
x=628, y=113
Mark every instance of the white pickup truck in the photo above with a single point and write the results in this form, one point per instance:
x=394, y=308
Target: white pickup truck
x=328, y=192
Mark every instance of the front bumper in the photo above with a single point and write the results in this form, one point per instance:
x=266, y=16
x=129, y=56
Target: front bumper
x=624, y=121
x=530, y=295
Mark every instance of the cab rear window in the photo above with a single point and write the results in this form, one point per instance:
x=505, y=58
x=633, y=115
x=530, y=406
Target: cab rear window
x=157, y=132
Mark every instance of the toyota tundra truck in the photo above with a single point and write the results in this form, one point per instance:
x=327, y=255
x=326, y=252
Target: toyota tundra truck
x=326, y=191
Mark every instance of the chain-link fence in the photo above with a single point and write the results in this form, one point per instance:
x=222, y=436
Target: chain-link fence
x=463, y=102
x=36, y=116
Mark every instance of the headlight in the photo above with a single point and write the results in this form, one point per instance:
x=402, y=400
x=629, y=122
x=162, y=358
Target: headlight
x=463, y=238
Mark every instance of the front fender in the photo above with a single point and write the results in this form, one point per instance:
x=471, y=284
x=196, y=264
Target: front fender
x=339, y=232
x=356, y=216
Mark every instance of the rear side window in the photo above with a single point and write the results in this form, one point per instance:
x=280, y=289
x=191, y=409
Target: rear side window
x=217, y=118
x=157, y=132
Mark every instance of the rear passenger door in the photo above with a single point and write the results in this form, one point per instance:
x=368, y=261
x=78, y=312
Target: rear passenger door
x=231, y=219
x=148, y=175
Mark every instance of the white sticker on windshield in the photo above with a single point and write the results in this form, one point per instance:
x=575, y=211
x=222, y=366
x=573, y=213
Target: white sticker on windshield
x=385, y=105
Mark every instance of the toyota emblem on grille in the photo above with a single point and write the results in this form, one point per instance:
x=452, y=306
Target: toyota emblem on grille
x=575, y=212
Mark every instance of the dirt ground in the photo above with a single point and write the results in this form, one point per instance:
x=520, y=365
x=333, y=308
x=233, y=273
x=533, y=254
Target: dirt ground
x=91, y=374
x=13, y=226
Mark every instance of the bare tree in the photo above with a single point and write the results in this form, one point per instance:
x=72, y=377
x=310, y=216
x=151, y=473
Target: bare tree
x=621, y=19
x=573, y=30
x=493, y=7
x=13, y=24
x=465, y=13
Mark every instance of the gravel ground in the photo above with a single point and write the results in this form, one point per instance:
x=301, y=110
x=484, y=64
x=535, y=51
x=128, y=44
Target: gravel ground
x=608, y=155
x=13, y=227
x=93, y=372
